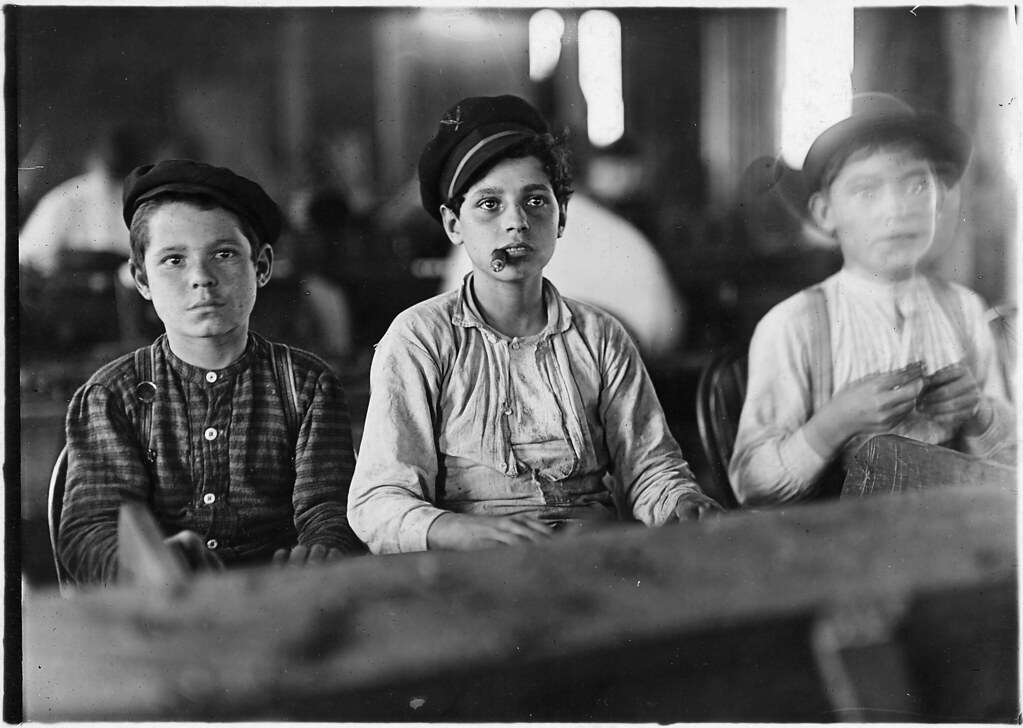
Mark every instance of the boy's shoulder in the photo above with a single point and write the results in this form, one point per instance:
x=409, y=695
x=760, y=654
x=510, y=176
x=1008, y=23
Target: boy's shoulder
x=308, y=369
x=120, y=373
x=594, y=320
x=428, y=320
x=801, y=307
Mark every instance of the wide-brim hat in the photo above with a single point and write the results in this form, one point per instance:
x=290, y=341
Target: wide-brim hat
x=239, y=194
x=879, y=115
x=472, y=133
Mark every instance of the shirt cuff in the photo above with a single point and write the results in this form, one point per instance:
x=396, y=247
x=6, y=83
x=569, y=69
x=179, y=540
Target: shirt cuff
x=998, y=433
x=415, y=526
x=799, y=459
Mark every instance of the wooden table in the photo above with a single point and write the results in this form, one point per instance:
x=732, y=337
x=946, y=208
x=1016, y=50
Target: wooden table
x=898, y=608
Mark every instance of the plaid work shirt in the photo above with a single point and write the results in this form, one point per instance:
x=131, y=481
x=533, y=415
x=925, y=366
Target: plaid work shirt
x=225, y=466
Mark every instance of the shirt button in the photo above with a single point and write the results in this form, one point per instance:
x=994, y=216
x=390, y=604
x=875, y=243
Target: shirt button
x=211, y=433
x=209, y=498
x=211, y=544
x=507, y=411
x=211, y=377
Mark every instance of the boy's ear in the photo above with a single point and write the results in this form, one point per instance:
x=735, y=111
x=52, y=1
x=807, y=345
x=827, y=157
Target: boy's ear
x=820, y=211
x=562, y=217
x=452, y=225
x=141, y=282
x=264, y=266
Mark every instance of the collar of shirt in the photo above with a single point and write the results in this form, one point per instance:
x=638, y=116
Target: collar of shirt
x=876, y=289
x=465, y=313
x=188, y=372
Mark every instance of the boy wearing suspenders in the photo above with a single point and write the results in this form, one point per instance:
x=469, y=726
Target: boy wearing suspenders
x=879, y=347
x=241, y=448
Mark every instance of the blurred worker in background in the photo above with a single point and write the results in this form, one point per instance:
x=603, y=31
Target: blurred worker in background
x=83, y=214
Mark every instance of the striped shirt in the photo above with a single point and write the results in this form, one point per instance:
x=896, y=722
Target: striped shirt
x=875, y=327
x=225, y=465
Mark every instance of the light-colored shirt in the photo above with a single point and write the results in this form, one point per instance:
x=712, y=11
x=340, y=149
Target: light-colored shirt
x=603, y=260
x=82, y=213
x=875, y=327
x=464, y=419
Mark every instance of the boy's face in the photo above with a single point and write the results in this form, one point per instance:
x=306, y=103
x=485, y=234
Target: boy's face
x=199, y=272
x=882, y=208
x=512, y=208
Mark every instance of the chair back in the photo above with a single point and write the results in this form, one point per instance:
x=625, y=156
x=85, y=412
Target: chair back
x=720, y=394
x=54, y=503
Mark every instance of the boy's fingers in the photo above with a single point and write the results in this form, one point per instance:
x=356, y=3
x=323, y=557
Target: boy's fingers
x=961, y=386
x=903, y=395
x=299, y=555
x=895, y=380
x=529, y=523
x=962, y=402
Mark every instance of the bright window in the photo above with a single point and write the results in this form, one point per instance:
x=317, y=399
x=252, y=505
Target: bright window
x=600, y=76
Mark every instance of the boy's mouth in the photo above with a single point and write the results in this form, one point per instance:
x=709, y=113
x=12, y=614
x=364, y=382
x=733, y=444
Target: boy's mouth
x=899, y=238
x=516, y=250
x=205, y=305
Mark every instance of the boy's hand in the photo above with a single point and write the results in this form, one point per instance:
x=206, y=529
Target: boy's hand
x=459, y=532
x=192, y=549
x=694, y=506
x=952, y=397
x=306, y=555
x=873, y=404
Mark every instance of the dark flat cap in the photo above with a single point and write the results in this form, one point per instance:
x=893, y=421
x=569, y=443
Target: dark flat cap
x=238, y=194
x=472, y=132
x=876, y=114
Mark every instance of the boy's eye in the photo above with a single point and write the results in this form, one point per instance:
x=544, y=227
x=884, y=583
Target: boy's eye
x=487, y=203
x=171, y=260
x=225, y=254
x=916, y=187
x=537, y=200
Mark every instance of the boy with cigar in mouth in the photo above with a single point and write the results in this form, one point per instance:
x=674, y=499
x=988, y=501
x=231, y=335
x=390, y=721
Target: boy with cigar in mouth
x=497, y=410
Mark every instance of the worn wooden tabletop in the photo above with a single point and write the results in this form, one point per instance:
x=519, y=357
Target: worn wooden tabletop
x=705, y=621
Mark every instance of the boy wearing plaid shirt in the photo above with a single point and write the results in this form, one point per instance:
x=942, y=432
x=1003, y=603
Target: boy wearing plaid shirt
x=241, y=448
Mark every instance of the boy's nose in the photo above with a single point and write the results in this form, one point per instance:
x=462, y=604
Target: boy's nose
x=202, y=277
x=897, y=201
x=515, y=218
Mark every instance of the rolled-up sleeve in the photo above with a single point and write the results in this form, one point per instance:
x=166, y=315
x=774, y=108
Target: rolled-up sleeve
x=388, y=504
x=772, y=461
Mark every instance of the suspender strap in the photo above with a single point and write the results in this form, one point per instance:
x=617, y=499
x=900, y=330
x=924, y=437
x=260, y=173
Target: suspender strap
x=820, y=349
x=949, y=302
x=286, y=386
x=829, y=482
x=145, y=367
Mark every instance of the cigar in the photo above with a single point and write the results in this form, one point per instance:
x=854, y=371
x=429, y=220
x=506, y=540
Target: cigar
x=498, y=260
